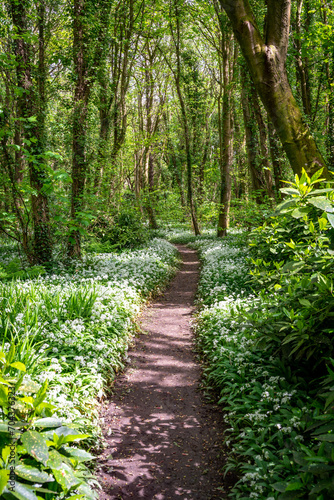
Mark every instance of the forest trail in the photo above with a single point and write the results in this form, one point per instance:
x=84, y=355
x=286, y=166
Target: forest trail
x=164, y=440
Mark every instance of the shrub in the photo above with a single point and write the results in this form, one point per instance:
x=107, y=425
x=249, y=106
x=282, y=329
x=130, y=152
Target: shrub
x=37, y=459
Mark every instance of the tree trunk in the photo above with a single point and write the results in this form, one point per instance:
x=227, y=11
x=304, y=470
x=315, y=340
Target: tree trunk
x=265, y=163
x=301, y=63
x=151, y=215
x=275, y=158
x=31, y=108
x=177, y=76
x=258, y=184
x=266, y=59
x=81, y=97
x=225, y=125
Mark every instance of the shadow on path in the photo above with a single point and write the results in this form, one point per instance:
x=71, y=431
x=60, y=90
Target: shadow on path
x=164, y=441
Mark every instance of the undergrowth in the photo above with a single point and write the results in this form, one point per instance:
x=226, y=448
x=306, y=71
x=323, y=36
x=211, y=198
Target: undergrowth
x=265, y=332
x=68, y=332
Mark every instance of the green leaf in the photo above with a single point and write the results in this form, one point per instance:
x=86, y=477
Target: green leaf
x=66, y=478
x=320, y=468
x=285, y=204
x=71, y=438
x=321, y=191
x=4, y=476
x=297, y=485
x=322, y=202
x=3, y=427
x=326, y=437
x=315, y=177
x=293, y=266
x=3, y=395
x=330, y=217
x=290, y=191
x=48, y=422
x=19, y=366
x=33, y=474
x=36, y=446
x=78, y=454
x=299, y=213
x=41, y=394
x=22, y=492
x=55, y=460
x=305, y=302
x=280, y=487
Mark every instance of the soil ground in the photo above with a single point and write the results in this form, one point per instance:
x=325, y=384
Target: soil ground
x=164, y=440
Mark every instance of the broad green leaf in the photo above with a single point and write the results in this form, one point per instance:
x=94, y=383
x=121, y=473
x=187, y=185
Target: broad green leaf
x=290, y=191
x=293, y=266
x=285, y=204
x=72, y=438
x=33, y=474
x=297, y=485
x=326, y=437
x=299, y=213
x=36, y=446
x=3, y=395
x=305, y=302
x=330, y=217
x=19, y=366
x=78, y=454
x=322, y=202
x=55, y=460
x=3, y=427
x=315, y=177
x=280, y=487
x=41, y=394
x=5, y=453
x=4, y=476
x=48, y=422
x=22, y=492
x=65, y=477
x=320, y=468
x=321, y=191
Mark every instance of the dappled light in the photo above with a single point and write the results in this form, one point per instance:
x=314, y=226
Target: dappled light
x=165, y=441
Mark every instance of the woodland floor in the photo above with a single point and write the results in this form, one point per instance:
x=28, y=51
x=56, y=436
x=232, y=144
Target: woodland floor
x=164, y=440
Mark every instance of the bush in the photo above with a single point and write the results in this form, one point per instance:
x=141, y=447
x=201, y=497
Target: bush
x=267, y=352
x=126, y=230
x=37, y=459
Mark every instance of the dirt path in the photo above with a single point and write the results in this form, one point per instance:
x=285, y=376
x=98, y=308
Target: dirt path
x=163, y=439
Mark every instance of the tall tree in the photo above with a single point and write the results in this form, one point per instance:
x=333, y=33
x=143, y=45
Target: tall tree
x=177, y=73
x=87, y=57
x=31, y=112
x=266, y=60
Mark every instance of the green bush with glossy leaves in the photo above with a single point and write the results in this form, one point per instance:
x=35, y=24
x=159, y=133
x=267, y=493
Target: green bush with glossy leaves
x=37, y=460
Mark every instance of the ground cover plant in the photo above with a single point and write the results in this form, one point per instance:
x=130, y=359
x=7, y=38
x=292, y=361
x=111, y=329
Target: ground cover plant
x=71, y=330
x=267, y=345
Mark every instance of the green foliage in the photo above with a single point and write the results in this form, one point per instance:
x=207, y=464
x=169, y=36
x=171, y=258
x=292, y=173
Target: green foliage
x=37, y=460
x=267, y=349
x=293, y=258
x=247, y=213
x=125, y=231
x=14, y=270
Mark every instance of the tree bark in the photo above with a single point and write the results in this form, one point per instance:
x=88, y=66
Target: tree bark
x=275, y=155
x=301, y=63
x=225, y=126
x=31, y=108
x=177, y=76
x=256, y=174
x=265, y=163
x=81, y=97
x=265, y=58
